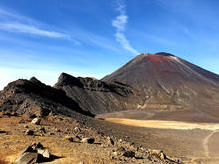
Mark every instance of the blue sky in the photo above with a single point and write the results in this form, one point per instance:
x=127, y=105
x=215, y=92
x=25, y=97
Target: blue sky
x=43, y=38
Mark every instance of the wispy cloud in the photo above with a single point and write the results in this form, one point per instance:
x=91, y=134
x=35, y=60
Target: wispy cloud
x=12, y=21
x=120, y=23
x=30, y=29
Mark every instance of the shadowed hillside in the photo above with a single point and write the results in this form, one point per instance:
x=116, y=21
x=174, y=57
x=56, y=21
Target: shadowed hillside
x=98, y=96
x=33, y=97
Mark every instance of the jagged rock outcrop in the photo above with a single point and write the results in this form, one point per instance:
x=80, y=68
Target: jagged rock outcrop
x=98, y=96
x=33, y=97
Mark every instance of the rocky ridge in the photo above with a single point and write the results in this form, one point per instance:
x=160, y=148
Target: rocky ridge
x=98, y=96
x=33, y=97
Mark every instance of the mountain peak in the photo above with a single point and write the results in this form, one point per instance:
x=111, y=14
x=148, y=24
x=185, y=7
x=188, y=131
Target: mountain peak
x=163, y=78
x=164, y=54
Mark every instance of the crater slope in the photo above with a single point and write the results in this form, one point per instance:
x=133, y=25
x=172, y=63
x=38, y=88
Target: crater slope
x=169, y=83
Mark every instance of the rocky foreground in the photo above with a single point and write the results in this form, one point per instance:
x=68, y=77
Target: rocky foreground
x=61, y=139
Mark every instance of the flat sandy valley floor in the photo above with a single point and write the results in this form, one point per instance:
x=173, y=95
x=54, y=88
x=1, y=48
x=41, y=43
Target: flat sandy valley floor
x=192, y=141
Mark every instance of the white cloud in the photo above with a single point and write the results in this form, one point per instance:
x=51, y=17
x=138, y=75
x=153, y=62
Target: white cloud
x=120, y=23
x=12, y=21
x=120, y=37
x=29, y=29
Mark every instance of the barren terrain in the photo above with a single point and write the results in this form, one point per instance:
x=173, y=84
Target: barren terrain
x=203, y=150
x=52, y=133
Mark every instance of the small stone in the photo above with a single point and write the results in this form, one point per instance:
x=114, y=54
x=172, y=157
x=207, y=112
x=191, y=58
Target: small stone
x=22, y=121
x=58, y=130
x=162, y=155
x=81, y=162
x=121, y=149
x=2, y=131
x=115, y=153
x=32, y=116
x=77, y=129
x=69, y=138
x=51, y=133
x=110, y=141
x=29, y=132
x=88, y=140
x=129, y=154
x=43, y=129
x=36, y=121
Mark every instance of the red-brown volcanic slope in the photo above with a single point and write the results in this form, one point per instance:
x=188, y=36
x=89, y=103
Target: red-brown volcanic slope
x=166, y=82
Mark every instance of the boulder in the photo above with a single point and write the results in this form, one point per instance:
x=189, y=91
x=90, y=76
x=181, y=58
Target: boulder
x=28, y=158
x=35, y=153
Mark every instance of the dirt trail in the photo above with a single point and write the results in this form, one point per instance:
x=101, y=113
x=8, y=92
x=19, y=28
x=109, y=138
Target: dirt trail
x=206, y=143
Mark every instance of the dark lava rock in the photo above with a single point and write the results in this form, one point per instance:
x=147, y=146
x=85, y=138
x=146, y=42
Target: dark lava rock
x=129, y=154
x=110, y=141
x=97, y=96
x=2, y=131
x=29, y=132
x=88, y=140
x=32, y=116
x=28, y=158
x=121, y=149
x=35, y=153
x=69, y=138
x=34, y=98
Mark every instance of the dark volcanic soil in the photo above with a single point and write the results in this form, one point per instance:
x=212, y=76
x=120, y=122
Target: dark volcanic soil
x=166, y=82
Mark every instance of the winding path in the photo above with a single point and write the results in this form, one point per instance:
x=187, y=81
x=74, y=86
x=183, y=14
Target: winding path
x=206, y=142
